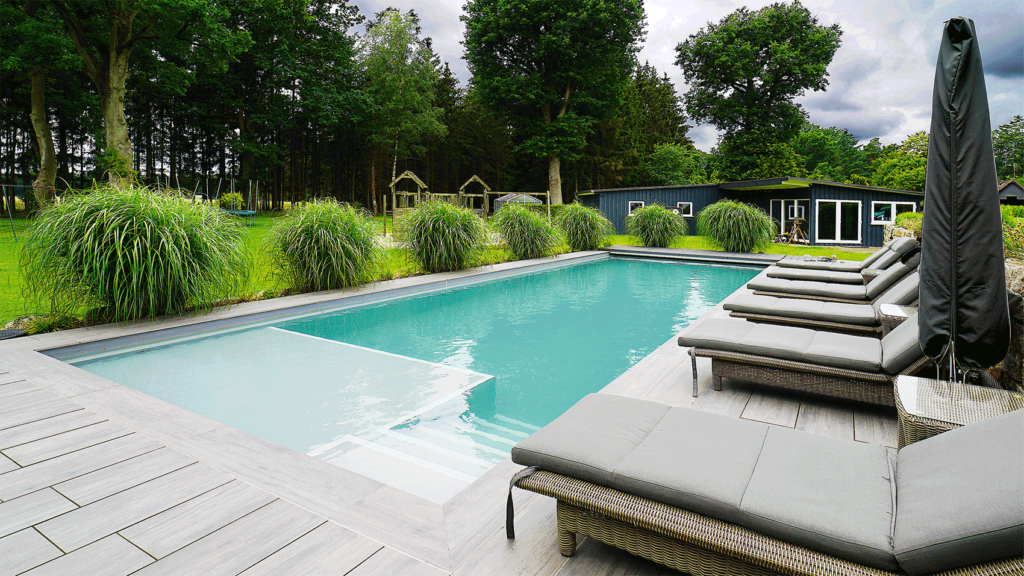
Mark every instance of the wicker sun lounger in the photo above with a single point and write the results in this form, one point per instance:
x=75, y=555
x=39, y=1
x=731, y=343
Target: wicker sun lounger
x=863, y=294
x=860, y=368
x=707, y=494
x=859, y=319
x=892, y=254
x=899, y=245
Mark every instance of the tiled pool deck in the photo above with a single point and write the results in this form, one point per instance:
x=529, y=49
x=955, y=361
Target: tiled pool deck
x=97, y=479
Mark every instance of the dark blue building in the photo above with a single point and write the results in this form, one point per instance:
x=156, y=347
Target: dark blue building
x=833, y=213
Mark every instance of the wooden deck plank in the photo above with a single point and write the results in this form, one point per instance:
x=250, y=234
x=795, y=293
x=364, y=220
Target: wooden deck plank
x=68, y=466
x=31, y=509
x=23, y=550
x=328, y=549
x=189, y=521
x=111, y=556
x=772, y=407
x=6, y=464
x=26, y=399
x=477, y=512
x=239, y=545
x=593, y=558
x=875, y=425
x=642, y=376
x=832, y=418
x=8, y=377
x=47, y=427
x=47, y=409
x=100, y=519
x=533, y=552
x=17, y=387
x=401, y=520
x=389, y=562
x=730, y=400
x=676, y=388
x=53, y=446
x=93, y=486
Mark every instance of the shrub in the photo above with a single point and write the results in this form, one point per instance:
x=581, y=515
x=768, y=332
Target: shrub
x=232, y=201
x=134, y=252
x=584, y=227
x=323, y=245
x=655, y=225
x=1011, y=214
x=735, y=226
x=527, y=234
x=910, y=220
x=442, y=237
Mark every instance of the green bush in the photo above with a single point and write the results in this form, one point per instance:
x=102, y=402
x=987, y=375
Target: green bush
x=910, y=220
x=528, y=234
x=232, y=201
x=134, y=252
x=1013, y=240
x=735, y=226
x=442, y=237
x=1011, y=214
x=655, y=225
x=584, y=227
x=323, y=245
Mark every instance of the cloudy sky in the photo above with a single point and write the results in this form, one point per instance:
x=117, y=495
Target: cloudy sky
x=880, y=80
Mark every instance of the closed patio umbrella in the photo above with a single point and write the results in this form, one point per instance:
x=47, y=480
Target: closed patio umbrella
x=963, y=306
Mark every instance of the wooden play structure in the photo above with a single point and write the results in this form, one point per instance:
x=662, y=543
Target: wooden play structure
x=469, y=200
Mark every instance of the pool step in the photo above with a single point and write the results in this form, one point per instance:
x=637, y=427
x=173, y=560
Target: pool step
x=478, y=439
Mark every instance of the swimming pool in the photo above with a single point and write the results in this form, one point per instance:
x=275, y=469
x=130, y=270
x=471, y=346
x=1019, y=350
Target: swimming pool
x=450, y=379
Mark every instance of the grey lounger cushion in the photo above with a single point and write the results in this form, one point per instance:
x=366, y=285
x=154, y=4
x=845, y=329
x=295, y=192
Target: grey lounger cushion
x=900, y=348
x=961, y=500
x=826, y=494
x=903, y=293
x=899, y=246
x=748, y=473
x=863, y=353
x=860, y=314
x=816, y=275
x=885, y=280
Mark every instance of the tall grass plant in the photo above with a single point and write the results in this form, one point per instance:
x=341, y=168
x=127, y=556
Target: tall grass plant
x=323, y=245
x=134, y=252
x=442, y=237
x=585, y=228
x=736, y=226
x=527, y=234
x=655, y=225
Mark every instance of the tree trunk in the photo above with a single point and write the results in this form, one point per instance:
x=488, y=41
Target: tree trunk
x=554, y=179
x=43, y=185
x=115, y=126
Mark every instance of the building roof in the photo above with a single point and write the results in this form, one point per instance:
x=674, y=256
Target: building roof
x=782, y=183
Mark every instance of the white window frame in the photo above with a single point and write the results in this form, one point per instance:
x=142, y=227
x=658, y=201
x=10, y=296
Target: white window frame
x=685, y=209
x=839, y=222
x=630, y=206
x=800, y=212
x=892, y=206
x=784, y=209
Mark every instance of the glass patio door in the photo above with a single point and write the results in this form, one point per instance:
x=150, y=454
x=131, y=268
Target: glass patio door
x=838, y=222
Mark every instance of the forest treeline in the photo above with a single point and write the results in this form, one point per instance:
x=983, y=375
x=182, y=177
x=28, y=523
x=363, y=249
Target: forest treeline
x=313, y=99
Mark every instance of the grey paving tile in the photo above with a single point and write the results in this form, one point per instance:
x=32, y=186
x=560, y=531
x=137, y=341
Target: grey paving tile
x=328, y=549
x=104, y=517
x=875, y=425
x=111, y=556
x=47, y=409
x=730, y=400
x=642, y=376
x=47, y=427
x=31, y=509
x=534, y=550
x=239, y=545
x=93, y=486
x=16, y=387
x=153, y=417
x=189, y=521
x=25, y=399
x=6, y=464
x=593, y=558
x=8, y=377
x=52, y=374
x=772, y=407
x=53, y=446
x=61, y=468
x=388, y=562
x=832, y=418
x=23, y=550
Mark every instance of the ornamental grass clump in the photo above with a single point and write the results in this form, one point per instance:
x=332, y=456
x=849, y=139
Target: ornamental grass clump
x=133, y=252
x=655, y=225
x=527, y=234
x=442, y=237
x=735, y=226
x=585, y=228
x=323, y=245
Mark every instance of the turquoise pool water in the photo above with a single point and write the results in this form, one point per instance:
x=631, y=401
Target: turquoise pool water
x=454, y=377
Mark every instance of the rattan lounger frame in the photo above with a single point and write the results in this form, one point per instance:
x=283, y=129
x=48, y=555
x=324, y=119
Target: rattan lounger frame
x=854, y=329
x=868, y=387
x=693, y=543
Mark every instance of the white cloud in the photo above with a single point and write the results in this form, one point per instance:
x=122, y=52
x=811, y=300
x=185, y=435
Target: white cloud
x=880, y=79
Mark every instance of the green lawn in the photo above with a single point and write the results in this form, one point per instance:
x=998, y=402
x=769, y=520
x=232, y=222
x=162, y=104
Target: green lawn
x=15, y=302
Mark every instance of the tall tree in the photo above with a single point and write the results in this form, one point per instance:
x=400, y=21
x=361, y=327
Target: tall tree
x=829, y=153
x=555, y=65
x=745, y=71
x=903, y=167
x=106, y=33
x=1008, y=145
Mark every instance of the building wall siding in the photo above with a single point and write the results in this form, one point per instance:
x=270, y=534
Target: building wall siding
x=615, y=204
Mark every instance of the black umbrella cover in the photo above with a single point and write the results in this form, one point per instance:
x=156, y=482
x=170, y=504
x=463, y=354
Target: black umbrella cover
x=963, y=275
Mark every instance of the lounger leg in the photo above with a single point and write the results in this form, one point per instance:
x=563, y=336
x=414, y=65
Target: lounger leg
x=718, y=382
x=566, y=537
x=693, y=361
